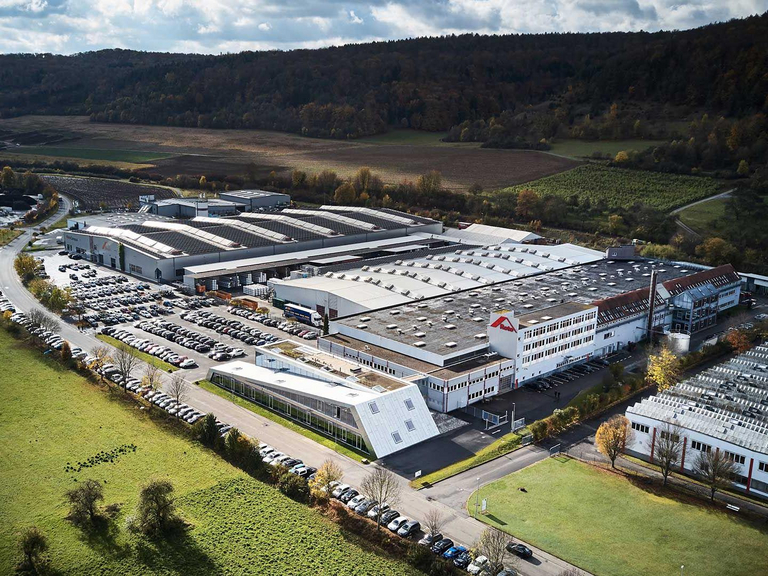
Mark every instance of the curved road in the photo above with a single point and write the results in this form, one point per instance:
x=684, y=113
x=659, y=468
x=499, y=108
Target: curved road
x=459, y=525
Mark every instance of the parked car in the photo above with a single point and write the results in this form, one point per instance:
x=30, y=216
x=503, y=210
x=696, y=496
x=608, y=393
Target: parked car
x=478, y=565
x=395, y=525
x=520, y=550
x=454, y=551
x=388, y=516
x=364, y=507
x=430, y=539
x=339, y=490
x=348, y=495
x=409, y=529
x=442, y=545
x=356, y=501
x=463, y=560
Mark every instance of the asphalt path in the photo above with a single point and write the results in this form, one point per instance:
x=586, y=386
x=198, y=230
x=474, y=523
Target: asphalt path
x=448, y=498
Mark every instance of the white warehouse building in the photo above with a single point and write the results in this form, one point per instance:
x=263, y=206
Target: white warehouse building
x=469, y=345
x=366, y=409
x=724, y=409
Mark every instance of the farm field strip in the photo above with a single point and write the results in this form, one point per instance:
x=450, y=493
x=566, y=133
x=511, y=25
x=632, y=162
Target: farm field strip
x=618, y=187
x=131, y=156
x=91, y=192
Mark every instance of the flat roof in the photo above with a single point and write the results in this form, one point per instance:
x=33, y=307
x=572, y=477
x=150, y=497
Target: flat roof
x=558, y=311
x=247, y=194
x=458, y=317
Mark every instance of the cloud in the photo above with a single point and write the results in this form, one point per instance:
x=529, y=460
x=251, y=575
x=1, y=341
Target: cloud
x=213, y=26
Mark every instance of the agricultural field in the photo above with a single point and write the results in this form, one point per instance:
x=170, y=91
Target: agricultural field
x=91, y=192
x=59, y=429
x=584, y=148
x=610, y=526
x=6, y=235
x=617, y=187
x=398, y=155
x=131, y=156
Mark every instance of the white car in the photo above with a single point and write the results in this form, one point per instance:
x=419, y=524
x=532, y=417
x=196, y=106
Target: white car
x=188, y=363
x=237, y=352
x=340, y=489
x=478, y=565
x=397, y=522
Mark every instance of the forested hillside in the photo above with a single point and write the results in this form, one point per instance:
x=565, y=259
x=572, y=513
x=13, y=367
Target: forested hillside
x=427, y=84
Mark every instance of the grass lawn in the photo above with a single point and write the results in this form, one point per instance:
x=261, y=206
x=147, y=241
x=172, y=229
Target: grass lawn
x=285, y=422
x=604, y=523
x=504, y=445
x=52, y=417
x=141, y=355
x=6, y=235
x=585, y=148
x=62, y=223
x=112, y=155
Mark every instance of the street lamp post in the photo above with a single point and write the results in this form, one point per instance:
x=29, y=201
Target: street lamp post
x=682, y=567
x=477, y=496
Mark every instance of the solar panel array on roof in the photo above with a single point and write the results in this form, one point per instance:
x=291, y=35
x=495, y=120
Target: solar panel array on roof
x=251, y=228
x=295, y=222
x=333, y=217
x=198, y=234
x=402, y=220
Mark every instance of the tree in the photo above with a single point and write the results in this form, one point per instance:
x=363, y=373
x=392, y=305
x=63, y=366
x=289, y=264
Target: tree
x=430, y=183
x=7, y=178
x=101, y=356
x=44, y=320
x=663, y=369
x=528, y=203
x=237, y=447
x=66, y=351
x=493, y=545
x=151, y=377
x=716, y=251
x=743, y=169
x=738, y=340
x=293, y=486
x=298, y=179
x=345, y=194
x=434, y=521
x=615, y=224
x=25, y=266
x=622, y=157
x=125, y=363
x=207, y=431
x=155, y=512
x=203, y=182
x=178, y=389
x=328, y=473
x=83, y=501
x=33, y=544
x=716, y=469
x=382, y=486
x=668, y=449
x=612, y=436
x=326, y=328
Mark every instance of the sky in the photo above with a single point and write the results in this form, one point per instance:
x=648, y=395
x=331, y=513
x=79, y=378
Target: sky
x=220, y=26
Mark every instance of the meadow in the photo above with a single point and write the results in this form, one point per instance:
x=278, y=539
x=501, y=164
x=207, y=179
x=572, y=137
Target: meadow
x=617, y=187
x=608, y=525
x=54, y=420
x=111, y=155
x=585, y=148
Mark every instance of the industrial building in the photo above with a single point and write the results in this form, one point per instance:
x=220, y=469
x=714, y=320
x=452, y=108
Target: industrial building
x=183, y=208
x=160, y=249
x=405, y=277
x=368, y=410
x=474, y=343
x=724, y=408
x=256, y=200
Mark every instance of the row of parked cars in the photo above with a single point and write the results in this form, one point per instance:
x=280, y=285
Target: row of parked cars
x=148, y=347
x=231, y=327
x=292, y=328
x=5, y=304
x=274, y=457
x=572, y=373
x=180, y=335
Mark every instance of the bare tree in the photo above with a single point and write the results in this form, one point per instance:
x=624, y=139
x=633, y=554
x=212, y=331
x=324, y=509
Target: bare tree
x=178, y=389
x=125, y=362
x=493, y=545
x=101, y=355
x=716, y=469
x=434, y=522
x=383, y=487
x=83, y=501
x=44, y=320
x=668, y=449
x=151, y=375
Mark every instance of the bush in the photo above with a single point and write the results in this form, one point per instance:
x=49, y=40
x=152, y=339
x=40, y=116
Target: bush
x=538, y=429
x=294, y=486
x=207, y=433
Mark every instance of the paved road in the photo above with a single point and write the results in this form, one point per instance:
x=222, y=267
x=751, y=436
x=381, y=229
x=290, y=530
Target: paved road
x=459, y=525
x=725, y=194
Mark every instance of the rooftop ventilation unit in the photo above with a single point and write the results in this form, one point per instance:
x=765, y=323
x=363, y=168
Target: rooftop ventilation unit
x=450, y=326
x=481, y=335
x=420, y=344
x=362, y=326
x=450, y=344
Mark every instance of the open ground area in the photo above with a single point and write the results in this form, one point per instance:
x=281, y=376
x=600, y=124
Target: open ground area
x=586, y=148
x=52, y=419
x=401, y=154
x=608, y=525
x=616, y=187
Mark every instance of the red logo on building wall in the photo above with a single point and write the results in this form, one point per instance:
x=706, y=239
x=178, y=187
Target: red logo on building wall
x=504, y=323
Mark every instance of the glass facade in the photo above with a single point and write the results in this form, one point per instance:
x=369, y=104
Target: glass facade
x=330, y=420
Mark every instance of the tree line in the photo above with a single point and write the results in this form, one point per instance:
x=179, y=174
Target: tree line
x=423, y=83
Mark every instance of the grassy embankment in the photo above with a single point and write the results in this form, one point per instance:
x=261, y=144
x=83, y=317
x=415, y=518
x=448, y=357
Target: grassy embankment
x=52, y=417
x=609, y=525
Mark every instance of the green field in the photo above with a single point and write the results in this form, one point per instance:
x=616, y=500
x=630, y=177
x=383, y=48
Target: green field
x=609, y=526
x=617, y=187
x=52, y=417
x=111, y=155
x=585, y=148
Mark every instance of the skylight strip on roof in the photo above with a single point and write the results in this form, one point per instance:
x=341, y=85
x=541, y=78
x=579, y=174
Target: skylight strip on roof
x=295, y=222
x=196, y=233
x=371, y=212
x=335, y=217
x=255, y=230
x=152, y=245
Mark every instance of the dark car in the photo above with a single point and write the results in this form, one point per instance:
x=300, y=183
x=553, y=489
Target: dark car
x=388, y=516
x=462, y=560
x=520, y=550
x=442, y=545
x=409, y=529
x=430, y=539
x=348, y=495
